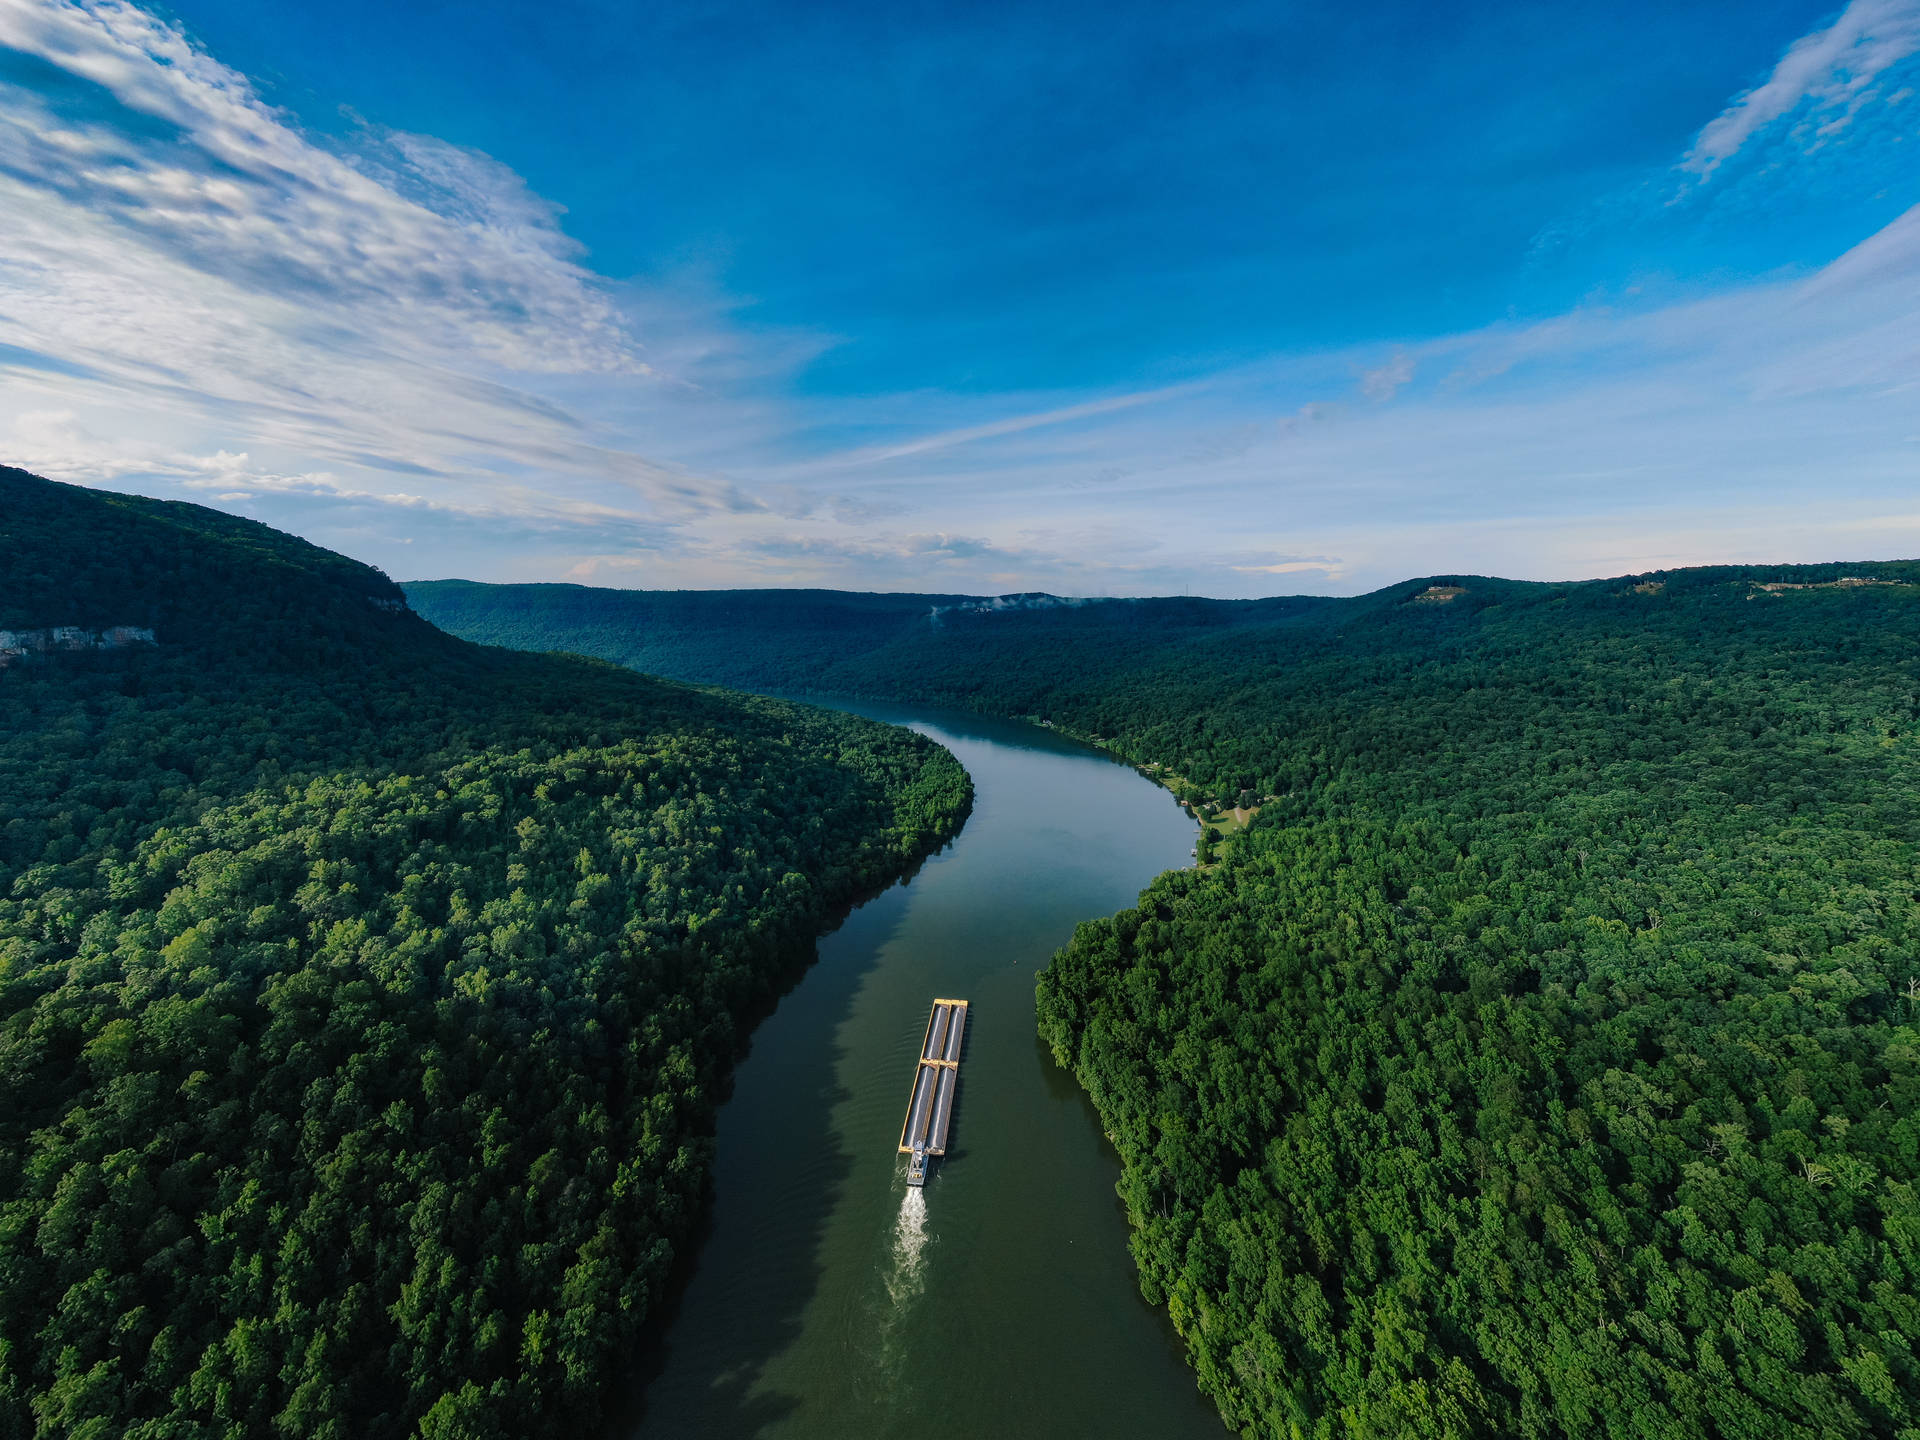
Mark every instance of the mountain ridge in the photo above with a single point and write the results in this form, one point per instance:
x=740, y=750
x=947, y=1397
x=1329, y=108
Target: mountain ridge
x=365, y=993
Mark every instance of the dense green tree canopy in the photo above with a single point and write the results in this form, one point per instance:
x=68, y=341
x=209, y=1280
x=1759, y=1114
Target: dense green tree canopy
x=364, y=994
x=1542, y=1060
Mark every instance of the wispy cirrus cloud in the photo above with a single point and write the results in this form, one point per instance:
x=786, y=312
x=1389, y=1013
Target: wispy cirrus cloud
x=1832, y=71
x=408, y=235
x=199, y=294
x=995, y=429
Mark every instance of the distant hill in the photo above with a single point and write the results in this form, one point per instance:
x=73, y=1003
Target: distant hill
x=722, y=637
x=364, y=993
x=823, y=641
x=1543, y=1059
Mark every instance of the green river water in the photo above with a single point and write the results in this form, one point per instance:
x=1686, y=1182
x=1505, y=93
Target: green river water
x=827, y=1298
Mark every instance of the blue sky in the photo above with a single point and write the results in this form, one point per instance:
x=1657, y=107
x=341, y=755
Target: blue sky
x=1114, y=299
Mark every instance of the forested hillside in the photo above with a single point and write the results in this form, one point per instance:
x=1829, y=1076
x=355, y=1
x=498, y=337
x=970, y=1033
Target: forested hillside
x=770, y=639
x=1542, y=1060
x=364, y=993
x=836, y=641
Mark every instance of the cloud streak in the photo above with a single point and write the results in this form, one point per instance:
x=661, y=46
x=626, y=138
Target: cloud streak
x=994, y=430
x=1833, y=69
x=1383, y=382
x=432, y=238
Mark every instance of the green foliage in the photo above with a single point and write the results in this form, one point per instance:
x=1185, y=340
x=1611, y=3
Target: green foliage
x=789, y=635
x=1541, y=1062
x=1543, y=1058
x=900, y=646
x=364, y=995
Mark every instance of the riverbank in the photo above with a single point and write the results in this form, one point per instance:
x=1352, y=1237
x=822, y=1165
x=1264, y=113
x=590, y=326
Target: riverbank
x=825, y=1300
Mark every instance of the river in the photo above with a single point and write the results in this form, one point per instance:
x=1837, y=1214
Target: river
x=827, y=1298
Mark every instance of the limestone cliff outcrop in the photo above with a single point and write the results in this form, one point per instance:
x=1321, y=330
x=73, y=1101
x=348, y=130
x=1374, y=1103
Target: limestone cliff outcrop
x=21, y=644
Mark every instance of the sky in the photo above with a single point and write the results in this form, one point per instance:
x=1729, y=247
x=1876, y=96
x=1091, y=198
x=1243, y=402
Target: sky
x=1093, y=299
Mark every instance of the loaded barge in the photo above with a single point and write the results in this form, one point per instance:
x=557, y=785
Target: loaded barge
x=930, y=1105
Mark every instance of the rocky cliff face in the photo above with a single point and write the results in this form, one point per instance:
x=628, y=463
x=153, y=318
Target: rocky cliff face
x=21, y=644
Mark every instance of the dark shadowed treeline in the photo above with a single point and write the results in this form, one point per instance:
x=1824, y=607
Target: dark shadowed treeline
x=770, y=639
x=837, y=642
x=1542, y=1060
x=364, y=995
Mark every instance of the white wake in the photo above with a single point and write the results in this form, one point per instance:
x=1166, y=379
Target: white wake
x=909, y=1241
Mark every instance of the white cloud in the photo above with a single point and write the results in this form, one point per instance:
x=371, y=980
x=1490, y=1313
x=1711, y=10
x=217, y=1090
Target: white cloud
x=226, y=285
x=1383, y=382
x=425, y=236
x=1833, y=68
x=993, y=430
x=390, y=342
x=1324, y=565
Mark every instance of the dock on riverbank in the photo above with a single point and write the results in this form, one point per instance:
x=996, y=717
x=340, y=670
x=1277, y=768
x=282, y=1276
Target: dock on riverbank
x=923, y=1134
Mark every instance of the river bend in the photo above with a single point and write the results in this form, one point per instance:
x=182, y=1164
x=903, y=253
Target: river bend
x=829, y=1300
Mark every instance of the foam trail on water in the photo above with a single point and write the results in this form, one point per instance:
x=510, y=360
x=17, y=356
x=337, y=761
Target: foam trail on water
x=909, y=1240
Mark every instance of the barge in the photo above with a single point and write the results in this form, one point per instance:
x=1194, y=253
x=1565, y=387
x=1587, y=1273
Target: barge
x=923, y=1135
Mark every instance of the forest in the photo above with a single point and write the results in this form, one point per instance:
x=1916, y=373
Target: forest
x=1541, y=1059
x=365, y=994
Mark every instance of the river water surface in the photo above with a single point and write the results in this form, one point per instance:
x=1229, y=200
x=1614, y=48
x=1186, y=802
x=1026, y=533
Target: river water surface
x=829, y=1299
